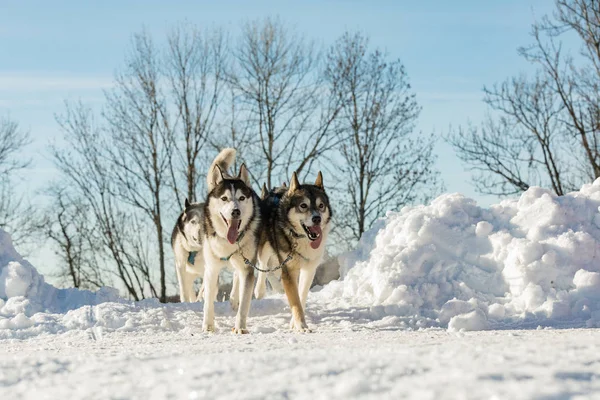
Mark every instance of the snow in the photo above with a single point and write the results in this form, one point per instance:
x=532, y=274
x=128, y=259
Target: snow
x=27, y=302
x=327, y=364
x=455, y=265
x=437, y=300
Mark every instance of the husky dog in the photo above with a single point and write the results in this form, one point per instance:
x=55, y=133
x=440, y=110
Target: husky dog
x=186, y=241
x=230, y=233
x=221, y=231
x=296, y=223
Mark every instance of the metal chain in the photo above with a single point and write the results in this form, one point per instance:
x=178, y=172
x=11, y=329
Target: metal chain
x=287, y=259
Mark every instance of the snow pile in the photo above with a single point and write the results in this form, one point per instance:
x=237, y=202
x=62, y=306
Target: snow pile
x=457, y=265
x=24, y=293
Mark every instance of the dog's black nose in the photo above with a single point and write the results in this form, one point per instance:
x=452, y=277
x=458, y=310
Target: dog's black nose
x=316, y=219
x=236, y=213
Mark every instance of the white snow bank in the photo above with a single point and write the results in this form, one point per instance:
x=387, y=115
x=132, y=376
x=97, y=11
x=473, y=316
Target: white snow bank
x=457, y=265
x=24, y=293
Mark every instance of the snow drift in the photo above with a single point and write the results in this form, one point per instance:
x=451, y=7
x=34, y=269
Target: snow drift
x=24, y=293
x=457, y=265
x=452, y=264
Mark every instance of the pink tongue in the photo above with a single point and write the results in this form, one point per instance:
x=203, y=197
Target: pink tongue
x=316, y=243
x=232, y=232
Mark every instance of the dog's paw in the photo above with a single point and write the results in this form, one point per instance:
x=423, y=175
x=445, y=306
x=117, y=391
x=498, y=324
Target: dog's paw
x=240, y=331
x=299, y=326
x=208, y=328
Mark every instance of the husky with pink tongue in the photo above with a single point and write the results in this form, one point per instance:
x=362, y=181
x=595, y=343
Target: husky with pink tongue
x=295, y=225
x=230, y=237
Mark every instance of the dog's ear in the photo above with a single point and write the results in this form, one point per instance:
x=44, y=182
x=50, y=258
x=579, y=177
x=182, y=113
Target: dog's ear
x=319, y=181
x=284, y=184
x=294, y=184
x=216, y=176
x=244, y=175
x=187, y=204
x=264, y=192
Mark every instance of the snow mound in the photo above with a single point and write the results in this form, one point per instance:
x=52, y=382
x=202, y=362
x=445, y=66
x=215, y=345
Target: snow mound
x=456, y=265
x=24, y=293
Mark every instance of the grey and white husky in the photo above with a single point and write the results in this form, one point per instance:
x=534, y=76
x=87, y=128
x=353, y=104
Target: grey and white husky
x=295, y=226
x=186, y=241
x=224, y=230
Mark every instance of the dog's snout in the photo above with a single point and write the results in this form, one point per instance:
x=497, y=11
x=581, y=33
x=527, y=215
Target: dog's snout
x=236, y=213
x=316, y=219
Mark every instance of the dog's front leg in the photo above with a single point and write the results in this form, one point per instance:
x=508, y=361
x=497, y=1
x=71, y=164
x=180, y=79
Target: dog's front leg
x=307, y=275
x=274, y=279
x=290, y=284
x=211, y=279
x=234, y=295
x=261, y=283
x=246, y=283
x=182, y=276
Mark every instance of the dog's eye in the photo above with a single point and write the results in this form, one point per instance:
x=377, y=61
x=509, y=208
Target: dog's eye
x=303, y=206
x=321, y=206
x=242, y=198
x=224, y=198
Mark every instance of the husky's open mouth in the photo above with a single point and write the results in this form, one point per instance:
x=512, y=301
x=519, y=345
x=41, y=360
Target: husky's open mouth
x=314, y=235
x=233, y=230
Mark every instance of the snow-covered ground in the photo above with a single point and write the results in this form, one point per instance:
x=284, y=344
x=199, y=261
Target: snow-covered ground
x=328, y=364
x=445, y=300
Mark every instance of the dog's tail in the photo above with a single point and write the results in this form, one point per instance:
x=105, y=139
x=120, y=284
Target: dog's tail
x=223, y=160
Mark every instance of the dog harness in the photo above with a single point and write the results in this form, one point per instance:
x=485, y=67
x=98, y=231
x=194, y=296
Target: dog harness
x=287, y=259
x=192, y=254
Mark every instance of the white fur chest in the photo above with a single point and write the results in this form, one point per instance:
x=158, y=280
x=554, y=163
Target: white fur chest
x=307, y=252
x=221, y=247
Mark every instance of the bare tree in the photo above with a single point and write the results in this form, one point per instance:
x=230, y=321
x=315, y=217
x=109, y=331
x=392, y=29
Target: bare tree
x=85, y=167
x=69, y=225
x=281, y=94
x=522, y=146
x=12, y=141
x=194, y=64
x=235, y=131
x=140, y=137
x=154, y=129
x=384, y=166
x=15, y=215
x=543, y=130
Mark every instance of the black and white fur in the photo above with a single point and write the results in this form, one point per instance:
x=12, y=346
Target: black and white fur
x=222, y=230
x=296, y=221
x=185, y=239
x=230, y=234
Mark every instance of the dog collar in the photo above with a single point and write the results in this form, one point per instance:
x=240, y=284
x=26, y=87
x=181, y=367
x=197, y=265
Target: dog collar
x=228, y=257
x=192, y=257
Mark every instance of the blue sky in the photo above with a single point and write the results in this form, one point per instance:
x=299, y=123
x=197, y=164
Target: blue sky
x=56, y=50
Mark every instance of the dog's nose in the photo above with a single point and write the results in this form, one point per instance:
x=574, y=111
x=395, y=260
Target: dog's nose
x=316, y=219
x=236, y=213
